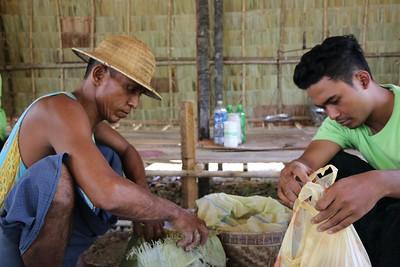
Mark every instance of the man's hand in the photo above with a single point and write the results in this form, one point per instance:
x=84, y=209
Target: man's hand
x=148, y=230
x=347, y=200
x=194, y=230
x=292, y=178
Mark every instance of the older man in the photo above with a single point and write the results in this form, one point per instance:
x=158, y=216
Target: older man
x=61, y=169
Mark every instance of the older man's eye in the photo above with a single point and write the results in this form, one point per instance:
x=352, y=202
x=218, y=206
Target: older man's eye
x=132, y=88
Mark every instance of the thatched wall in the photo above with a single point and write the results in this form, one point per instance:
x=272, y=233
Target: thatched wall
x=36, y=37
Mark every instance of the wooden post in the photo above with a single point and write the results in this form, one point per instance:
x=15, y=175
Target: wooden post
x=279, y=55
x=218, y=54
x=188, y=154
x=203, y=183
x=203, y=77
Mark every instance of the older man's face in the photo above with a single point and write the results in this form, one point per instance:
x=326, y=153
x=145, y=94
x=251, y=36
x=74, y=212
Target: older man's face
x=118, y=96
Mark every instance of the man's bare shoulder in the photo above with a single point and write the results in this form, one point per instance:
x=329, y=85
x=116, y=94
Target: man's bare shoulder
x=57, y=107
x=57, y=103
x=57, y=114
x=51, y=122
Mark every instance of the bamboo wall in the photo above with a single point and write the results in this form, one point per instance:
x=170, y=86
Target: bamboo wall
x=36, y=37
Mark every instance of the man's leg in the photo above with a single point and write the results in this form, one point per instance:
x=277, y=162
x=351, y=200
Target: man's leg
x=379, y=228
x=88, y=224
x=49, y=246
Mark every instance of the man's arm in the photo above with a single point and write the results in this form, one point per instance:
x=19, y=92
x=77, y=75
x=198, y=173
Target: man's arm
x=350, y=198
x=131, y=161
x=134, y=170
x=68, y=130
x=296, y=173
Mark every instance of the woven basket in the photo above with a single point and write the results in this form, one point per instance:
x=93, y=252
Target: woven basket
x=251, y=249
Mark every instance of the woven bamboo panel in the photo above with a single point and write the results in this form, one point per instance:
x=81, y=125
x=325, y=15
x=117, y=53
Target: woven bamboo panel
x=289, y=25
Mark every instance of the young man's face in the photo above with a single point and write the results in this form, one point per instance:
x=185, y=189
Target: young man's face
x=117, y=96
x=348, y=105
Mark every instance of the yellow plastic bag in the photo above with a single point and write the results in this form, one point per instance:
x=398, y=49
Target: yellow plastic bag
x=304, y=246
x=230, y=213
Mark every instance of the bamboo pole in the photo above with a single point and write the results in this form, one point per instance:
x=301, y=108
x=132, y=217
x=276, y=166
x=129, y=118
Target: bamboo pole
x=273, y=175
x=169, y=30
x=242, y=52
x=364, y=26
x=33, y=86
x=60, y=52
x=128, y=17
x=184, y=61
x=325, y=20
x=92, y=24
x=188, y=153
x=279, y=55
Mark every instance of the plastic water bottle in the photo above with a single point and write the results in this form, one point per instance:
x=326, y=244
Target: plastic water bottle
x=242, y=115
x=229, y=108
x=235, y=131
x=220, y=116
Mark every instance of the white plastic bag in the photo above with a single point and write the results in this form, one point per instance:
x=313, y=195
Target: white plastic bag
x=304, y=246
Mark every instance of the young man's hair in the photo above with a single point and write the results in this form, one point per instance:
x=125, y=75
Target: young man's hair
x=91, y=64
x=337, y=58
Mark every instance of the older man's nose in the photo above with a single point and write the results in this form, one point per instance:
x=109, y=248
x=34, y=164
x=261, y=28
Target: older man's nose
x=133, y=101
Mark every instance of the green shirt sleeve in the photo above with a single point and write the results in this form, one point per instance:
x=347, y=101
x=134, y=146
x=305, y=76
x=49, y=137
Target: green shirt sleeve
x=332, y=131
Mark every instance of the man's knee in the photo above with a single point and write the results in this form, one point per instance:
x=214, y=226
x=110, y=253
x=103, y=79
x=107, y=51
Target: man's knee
x=348, y=164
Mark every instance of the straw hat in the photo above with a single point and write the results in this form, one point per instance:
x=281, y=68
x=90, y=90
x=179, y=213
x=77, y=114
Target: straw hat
x=127, y=55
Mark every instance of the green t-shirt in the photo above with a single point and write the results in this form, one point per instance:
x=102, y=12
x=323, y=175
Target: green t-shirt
x=380, y=150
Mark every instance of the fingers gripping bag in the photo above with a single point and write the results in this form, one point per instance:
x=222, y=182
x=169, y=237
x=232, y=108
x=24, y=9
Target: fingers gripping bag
x=303, y=245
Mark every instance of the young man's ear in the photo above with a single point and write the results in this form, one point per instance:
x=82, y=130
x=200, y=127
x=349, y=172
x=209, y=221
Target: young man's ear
x=98, y=73
x=363, y=77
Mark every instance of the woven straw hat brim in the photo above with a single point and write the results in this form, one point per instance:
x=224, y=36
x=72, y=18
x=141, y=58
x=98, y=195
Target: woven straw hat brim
x=85, y=56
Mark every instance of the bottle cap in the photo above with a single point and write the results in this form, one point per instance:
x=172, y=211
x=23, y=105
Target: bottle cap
x=229, y=108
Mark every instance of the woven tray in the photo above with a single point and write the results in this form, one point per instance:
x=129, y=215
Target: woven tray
x=251, y=249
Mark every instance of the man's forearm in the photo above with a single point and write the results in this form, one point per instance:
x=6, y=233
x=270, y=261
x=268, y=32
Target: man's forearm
x=388, y=182
x=137, y=203
x=133, y=167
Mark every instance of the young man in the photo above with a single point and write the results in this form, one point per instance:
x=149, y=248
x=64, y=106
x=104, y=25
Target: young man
x=61, y=169
x=362, y=115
